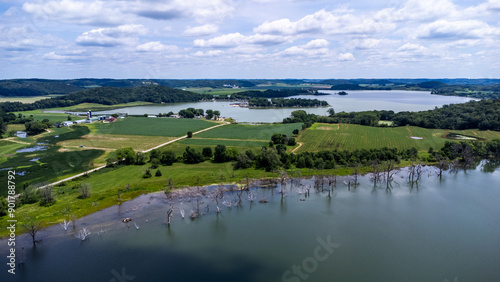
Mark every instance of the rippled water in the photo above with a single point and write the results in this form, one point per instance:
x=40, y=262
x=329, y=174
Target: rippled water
x=354, y=102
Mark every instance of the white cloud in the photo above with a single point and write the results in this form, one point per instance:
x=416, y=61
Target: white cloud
x=346, y=57
x=317, y=43
x=323, y=22
x=313, y=48
x=76, y=12
x=237, y=39
x=210, y=53
x=411, y=47
x=201, y=30
x=156, y=46
x=418, y=10
x=453, y=30
x=109, y=37
x=24, y=39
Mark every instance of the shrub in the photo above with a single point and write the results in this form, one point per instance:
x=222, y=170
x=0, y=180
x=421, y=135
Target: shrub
x=147, y=174
x=158, y=173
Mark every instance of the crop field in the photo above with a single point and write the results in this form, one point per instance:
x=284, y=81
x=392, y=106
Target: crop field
x=250, y=132
x=168, y=127
x=351, y=137
x=225, y=142
x=113, y=141
x=24, y=100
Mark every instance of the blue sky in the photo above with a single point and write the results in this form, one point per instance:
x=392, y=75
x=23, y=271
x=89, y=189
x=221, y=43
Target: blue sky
x=249, y=39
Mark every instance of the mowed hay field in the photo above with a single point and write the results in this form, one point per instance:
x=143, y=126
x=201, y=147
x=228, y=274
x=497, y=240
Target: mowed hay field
x=351, y=137
x=168, y=127
x=114, y=141
x=139, y=133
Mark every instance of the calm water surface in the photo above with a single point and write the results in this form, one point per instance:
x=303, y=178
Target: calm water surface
x=438, y=231
x=354, y=102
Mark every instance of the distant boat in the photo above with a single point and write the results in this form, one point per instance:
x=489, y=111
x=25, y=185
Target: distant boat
x=342, y=93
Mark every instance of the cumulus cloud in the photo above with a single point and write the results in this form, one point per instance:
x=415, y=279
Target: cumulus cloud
x=346, y=57
x=324, y=22
x=237, y=39
x=76, y=12
x=24, y=39
x=156, y=46
x=201, y=10
x=313, y=48
x=418, y=10
x=452, y=30
x=201, y=30
x=411, y=47
x=109, y=37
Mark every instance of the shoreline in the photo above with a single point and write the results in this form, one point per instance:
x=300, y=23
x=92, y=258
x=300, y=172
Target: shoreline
x=267, y=181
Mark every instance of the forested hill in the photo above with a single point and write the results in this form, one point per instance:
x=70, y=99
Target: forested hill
x=109, y=96
x=484, y=114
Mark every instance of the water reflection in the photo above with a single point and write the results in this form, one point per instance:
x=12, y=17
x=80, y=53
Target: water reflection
x=397, y=233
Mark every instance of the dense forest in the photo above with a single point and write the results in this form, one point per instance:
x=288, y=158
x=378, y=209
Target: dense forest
x=109, y=96
x=478, y=88
x=280, y=102
x=149, y=93
x=484, y=114
x=269, y=93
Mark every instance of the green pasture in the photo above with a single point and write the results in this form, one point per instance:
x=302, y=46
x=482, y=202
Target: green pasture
x=225, y=142
x=250, y=132
x=169, y=127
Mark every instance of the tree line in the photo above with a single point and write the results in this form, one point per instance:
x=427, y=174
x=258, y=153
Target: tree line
x=280, y=102
x=484, y=115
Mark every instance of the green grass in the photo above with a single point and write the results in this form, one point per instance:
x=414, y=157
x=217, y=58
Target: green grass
x=40, y=115
x=47, y=165
x=225, y=142
x=351, y=137
x=152, y=126
x=24, y=100
x=250, y=132
x=83, y=107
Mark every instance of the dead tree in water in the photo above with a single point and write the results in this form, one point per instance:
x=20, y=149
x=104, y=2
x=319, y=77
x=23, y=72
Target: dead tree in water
x=332, y=179
x=390, y=170
x=376, y=173
x=169, y=214
x=443, y=164
x=218, y=194
x=356, y=168
x=414, y=172
x=32, y=227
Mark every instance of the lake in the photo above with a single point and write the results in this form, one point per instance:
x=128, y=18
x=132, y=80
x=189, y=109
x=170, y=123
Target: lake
x=354, y=102
x=444, y=230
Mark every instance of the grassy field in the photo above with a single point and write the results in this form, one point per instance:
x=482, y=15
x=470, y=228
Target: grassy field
x=24, y=100
x=48, y=164
x=114, y=141
x=351, y=137
x=168, y=127
x=40, y=115
x=83, y=107
x=225, y=142
x=250, y=132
